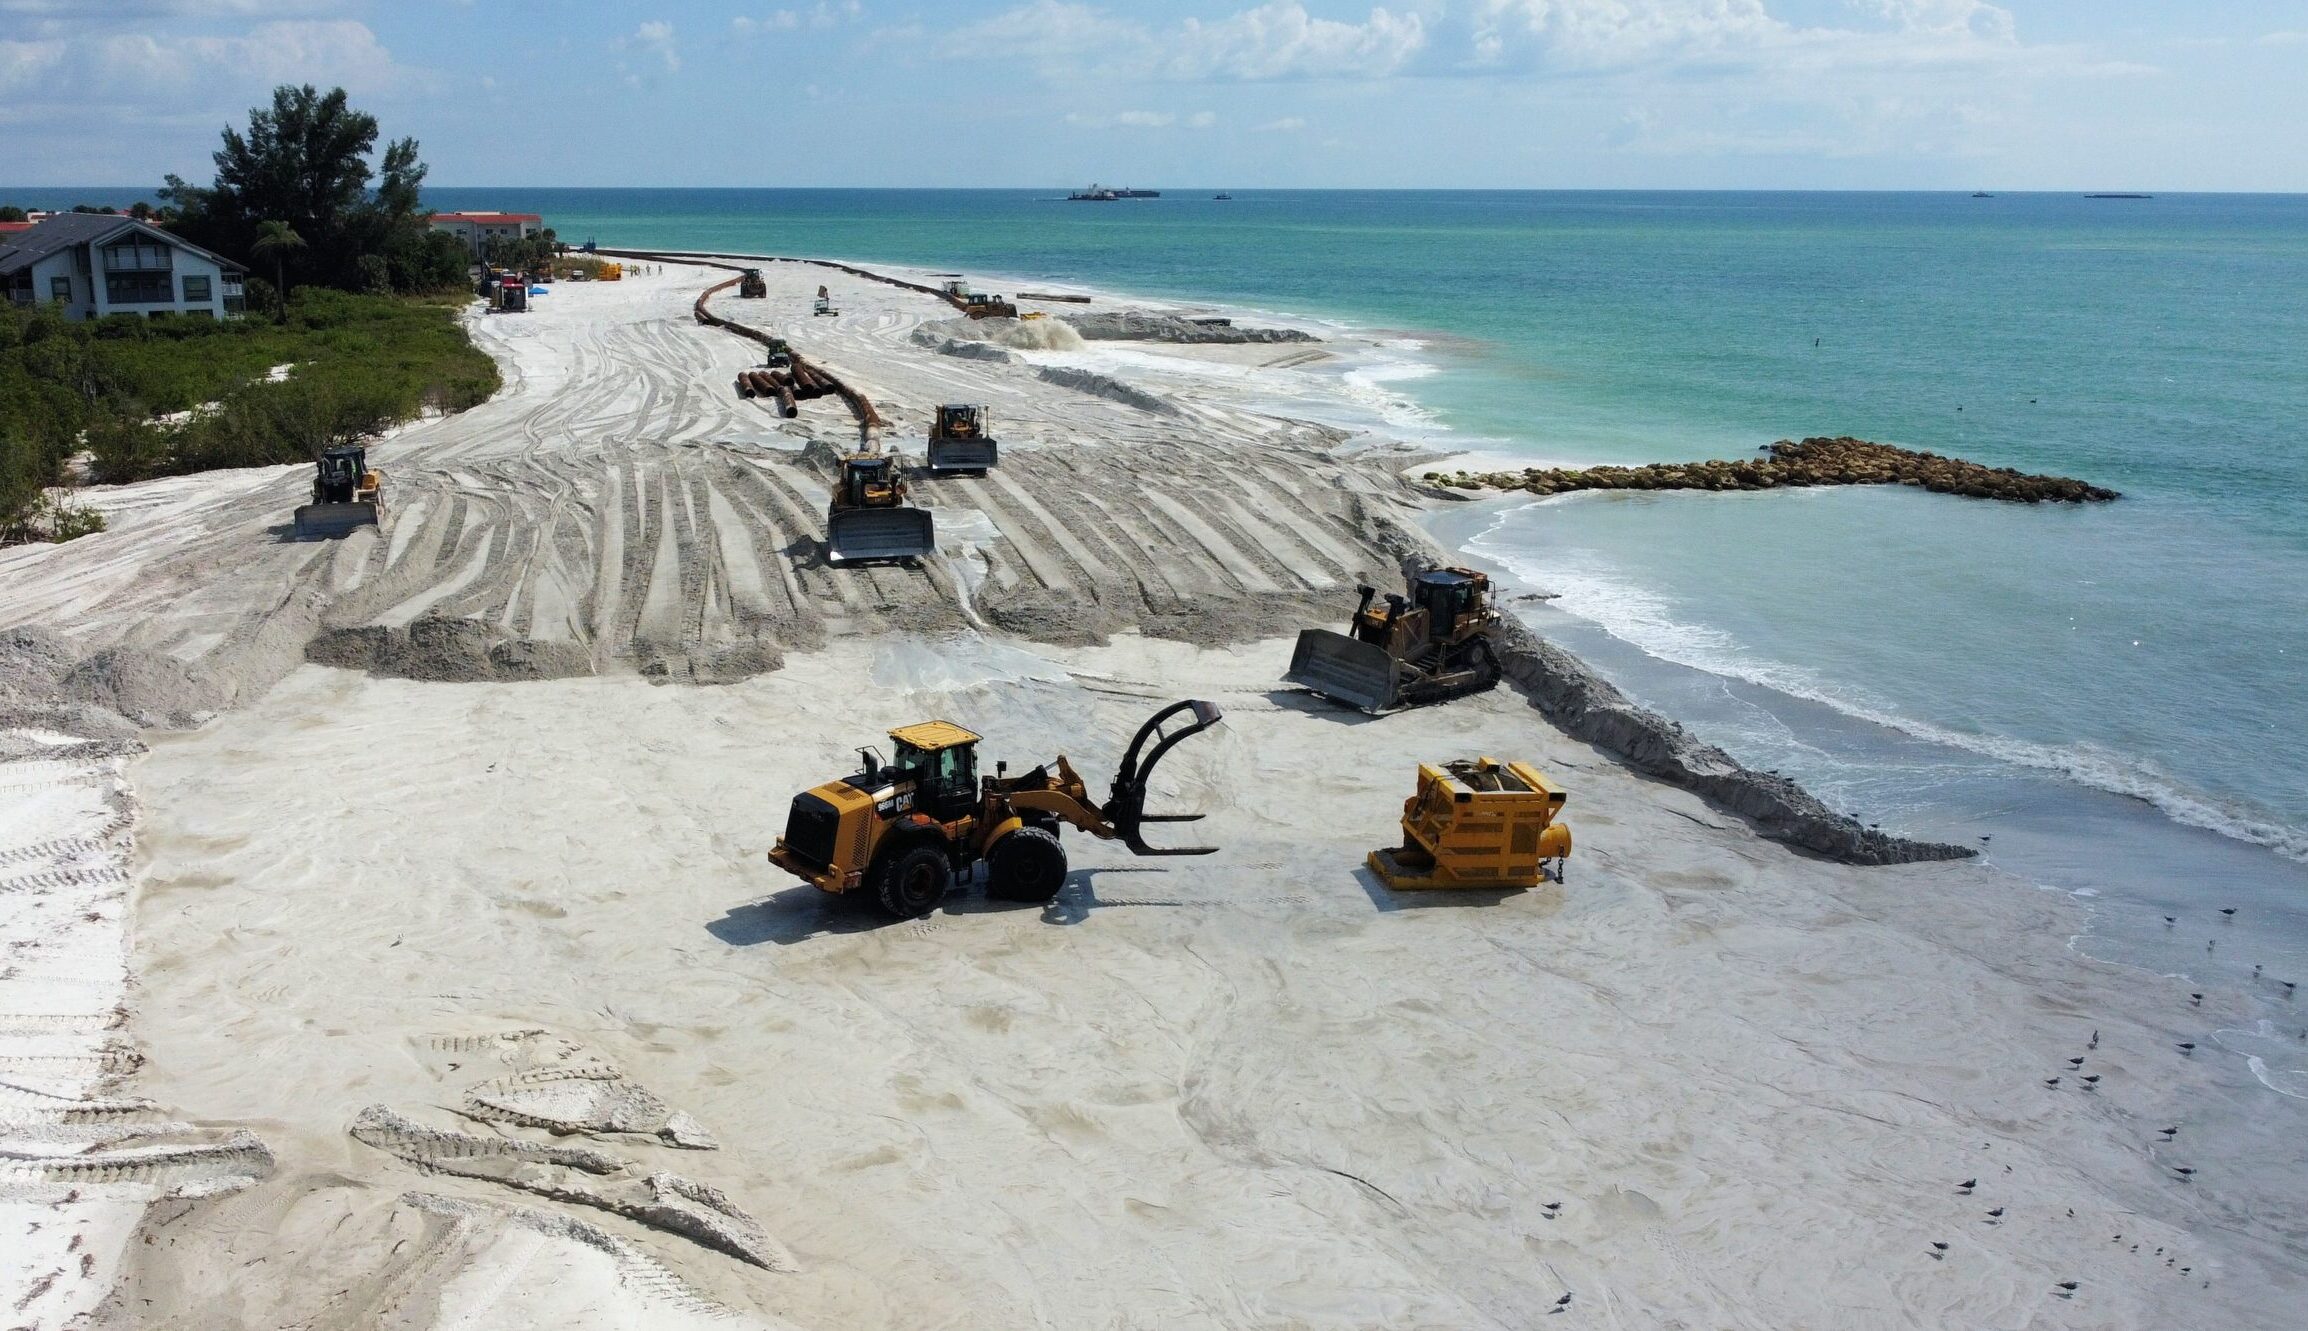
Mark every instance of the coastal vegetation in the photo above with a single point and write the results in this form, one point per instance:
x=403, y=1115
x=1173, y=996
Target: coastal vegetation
x=1816, y=461
x=362, y=333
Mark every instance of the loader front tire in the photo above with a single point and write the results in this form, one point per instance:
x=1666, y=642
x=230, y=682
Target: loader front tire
x=913, y=881
x=1026, y=865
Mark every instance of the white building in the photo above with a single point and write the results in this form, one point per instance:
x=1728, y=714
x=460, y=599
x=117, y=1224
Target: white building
x=477, y=229
x=94, y=264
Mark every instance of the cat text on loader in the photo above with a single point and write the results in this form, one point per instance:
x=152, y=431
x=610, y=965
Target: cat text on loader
x=901, y=830
x=869, y=520
x=347, y=494
x=1433, y=645
x=1477, y=824
x=962, y=441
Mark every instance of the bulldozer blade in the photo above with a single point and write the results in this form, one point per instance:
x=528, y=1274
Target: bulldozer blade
x=1354, y=672
x=867, y=535
x=315, y=520
x=970, y=455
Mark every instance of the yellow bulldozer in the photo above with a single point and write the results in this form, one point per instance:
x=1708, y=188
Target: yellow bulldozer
x=1477, y=823
x=1429, y=646
x=870, y=520
x=962, y=441
x=749, y=284
x=347, y=494
x=902, y=829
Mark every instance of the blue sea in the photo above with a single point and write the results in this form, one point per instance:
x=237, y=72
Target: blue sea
x=2108, y=700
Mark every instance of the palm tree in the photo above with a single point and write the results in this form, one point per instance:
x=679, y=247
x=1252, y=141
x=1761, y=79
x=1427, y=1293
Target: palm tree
x=275, y=240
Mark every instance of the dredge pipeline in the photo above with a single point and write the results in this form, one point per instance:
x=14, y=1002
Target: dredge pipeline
x=1816, y=461
x=802, y=380
x=711, y=260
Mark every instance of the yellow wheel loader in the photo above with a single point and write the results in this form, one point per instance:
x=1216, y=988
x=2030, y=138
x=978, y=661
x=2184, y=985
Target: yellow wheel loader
x=869, y=520
x=749, y=284
x=1478, y=824
x=902, y=829
x=961, y=441
x=1429, y=646
x=347, y=494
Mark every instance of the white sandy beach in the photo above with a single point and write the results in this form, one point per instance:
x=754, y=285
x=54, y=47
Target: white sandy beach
x=493, y=889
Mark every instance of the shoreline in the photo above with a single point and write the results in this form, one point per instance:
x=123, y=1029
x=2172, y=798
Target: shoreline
x=781, y=634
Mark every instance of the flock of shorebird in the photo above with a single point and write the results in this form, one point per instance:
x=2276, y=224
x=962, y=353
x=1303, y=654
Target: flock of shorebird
x=2066, y=1289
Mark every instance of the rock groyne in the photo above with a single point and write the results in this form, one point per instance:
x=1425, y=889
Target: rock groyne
x=1817, y=461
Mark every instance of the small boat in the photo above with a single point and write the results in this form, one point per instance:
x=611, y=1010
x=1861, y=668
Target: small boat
x=1094, y=194
x=1220, y=198
x=1137, y=194
x=1981, y=194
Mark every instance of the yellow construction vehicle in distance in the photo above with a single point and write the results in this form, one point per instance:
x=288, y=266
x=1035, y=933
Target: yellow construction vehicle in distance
x=1477, y=824
x=902, y=829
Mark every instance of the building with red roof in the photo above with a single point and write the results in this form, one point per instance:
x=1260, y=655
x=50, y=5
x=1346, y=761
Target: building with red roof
x=477, y=229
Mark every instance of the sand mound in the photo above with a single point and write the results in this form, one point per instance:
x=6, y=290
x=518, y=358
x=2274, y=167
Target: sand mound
x=146, y=687
x=446, y=650
x=561, y=1086
x=1019, y=334
x=1107, y=387
x=1142, y=326
x=661, y=1200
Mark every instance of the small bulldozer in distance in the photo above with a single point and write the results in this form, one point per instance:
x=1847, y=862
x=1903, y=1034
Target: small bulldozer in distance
x=902, y=830
x=749, y=284
x=346, y=494
x=869, y=520
x=1429, y=646
x=961, y=441
x=1477, y=824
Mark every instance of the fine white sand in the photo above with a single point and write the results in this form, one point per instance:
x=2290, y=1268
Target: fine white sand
x=608, y=1067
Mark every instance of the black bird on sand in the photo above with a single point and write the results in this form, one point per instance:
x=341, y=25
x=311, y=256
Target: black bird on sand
x=2051, y=1081
x=1996, y=1214
x=2095, y=1040
x=1563, y=1301
x=2092, y=1080
x=2172, y=1131
x=2187, y=1046
x=2076, y=1062
x=1937, y=1246
x=2069, y=1286
x=2227, y=910
x=2195, y=1000
x=1967, y=1185
x=2183, y=1171
x=2171, y=920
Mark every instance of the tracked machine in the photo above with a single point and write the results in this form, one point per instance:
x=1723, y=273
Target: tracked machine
x=749, y=284
x=1429, y=646
x=347, y=494
x=903, y=829
x=870, y=520
x=961, y=441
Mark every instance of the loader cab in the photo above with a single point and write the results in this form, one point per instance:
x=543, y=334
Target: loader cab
x=944, y=760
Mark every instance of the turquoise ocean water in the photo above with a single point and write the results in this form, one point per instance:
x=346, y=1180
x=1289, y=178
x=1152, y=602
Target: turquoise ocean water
x=2116, y=694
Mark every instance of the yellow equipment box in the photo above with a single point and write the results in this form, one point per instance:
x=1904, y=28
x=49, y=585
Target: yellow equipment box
x=1477, y=824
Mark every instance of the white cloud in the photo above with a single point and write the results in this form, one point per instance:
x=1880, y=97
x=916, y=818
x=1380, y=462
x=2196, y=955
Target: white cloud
x=1286, y=125
x=138, y=69
x=2284, y=39
x=653, y=41
x=1202, y=120
x=1146, y=119
x=821, y=15
x=1067, y=41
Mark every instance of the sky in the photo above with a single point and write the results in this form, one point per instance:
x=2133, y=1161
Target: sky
x=1512, y=94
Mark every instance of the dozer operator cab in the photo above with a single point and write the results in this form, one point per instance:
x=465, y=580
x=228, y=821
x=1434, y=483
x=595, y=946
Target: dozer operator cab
x=959, y=421
x=338, y=474
x=869, y=482
x=903, y=829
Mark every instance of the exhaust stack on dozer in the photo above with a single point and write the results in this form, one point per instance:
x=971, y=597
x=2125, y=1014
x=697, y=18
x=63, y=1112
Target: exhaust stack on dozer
x=869, y=520
x=1429, y=646
x=347, y=495
x=1477, y=824
x=962, y=441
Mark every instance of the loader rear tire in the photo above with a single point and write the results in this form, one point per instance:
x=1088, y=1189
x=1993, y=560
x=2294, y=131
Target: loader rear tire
x=913, y=881
x=1027, y=865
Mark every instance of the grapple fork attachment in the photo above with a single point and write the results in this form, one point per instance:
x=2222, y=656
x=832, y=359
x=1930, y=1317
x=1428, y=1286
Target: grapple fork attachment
x=1126, y=809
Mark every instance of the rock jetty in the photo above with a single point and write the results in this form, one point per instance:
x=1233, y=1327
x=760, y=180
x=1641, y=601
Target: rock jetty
x=1817, y=461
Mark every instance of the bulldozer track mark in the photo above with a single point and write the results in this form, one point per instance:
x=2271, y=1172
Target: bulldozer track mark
x=63, y=878
x=239, y=1160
